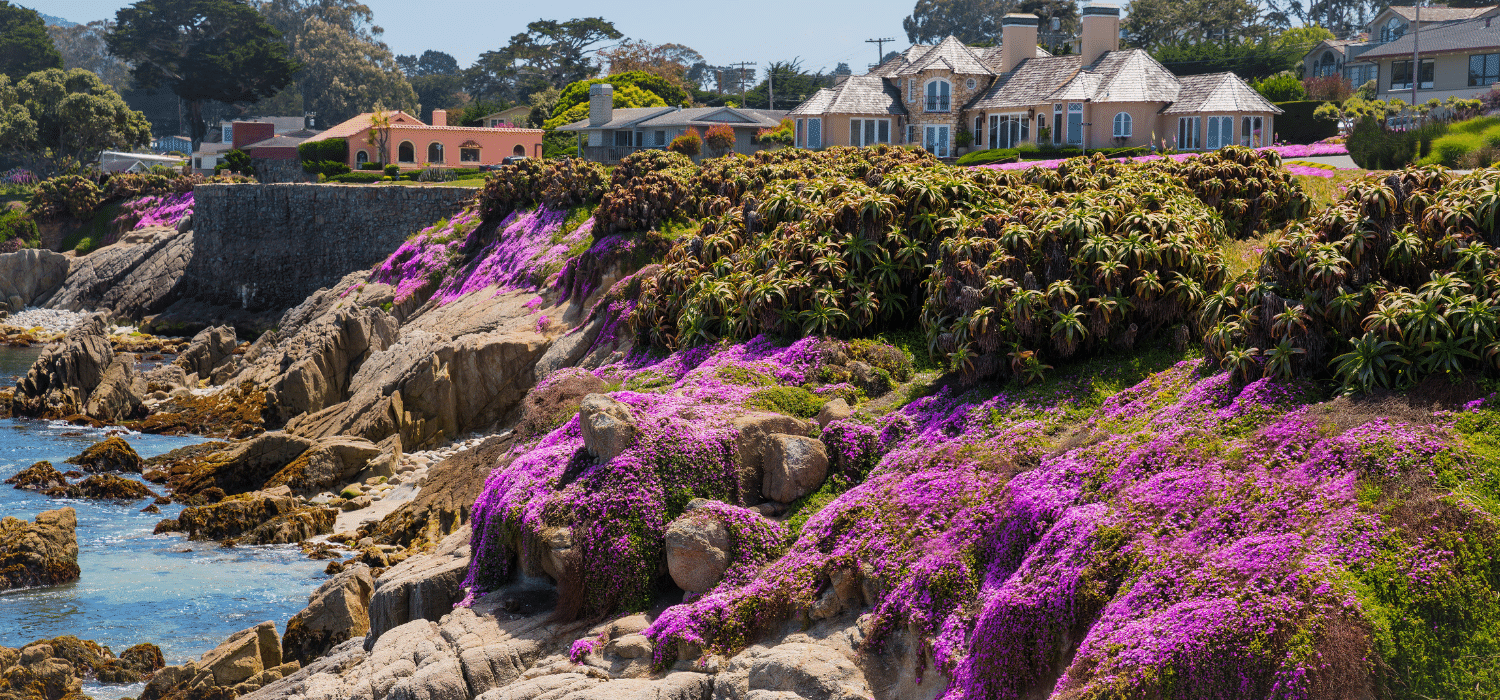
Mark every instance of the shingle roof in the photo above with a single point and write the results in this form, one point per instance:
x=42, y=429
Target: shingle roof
x=621, y=118
x=1118, y=76
x=1030, y=83
x=1483, y=33
x=1133, y=76
x=860, y=94
x=1439, y=13
x=951, y=54
x=695, y=116
x=1218, y=92
x=276, y=142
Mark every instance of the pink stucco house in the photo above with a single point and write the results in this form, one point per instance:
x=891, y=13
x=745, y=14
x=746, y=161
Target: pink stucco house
x=413, y=144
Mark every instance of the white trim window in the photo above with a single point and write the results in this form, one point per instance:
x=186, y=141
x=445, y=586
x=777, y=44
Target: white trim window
x=1075, y=123
x=979, y=131
x=1189, y=133
x=912, y=134
x=1123, y=126
x=1009, y=130
x=939, y=95
x=911, y=89
x=1401, y=75
x=868, y=132
x=1220, y=132
x=800, y=140
x=1251, y=132
x=815, y=133
x=936, y=139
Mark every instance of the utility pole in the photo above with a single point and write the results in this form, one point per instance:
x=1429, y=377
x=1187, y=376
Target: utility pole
x=771, y=88
x=879, y=48
x=740, y=75
x=1416, y=62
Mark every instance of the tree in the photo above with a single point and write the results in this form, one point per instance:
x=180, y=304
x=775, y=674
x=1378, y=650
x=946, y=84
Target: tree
x=719, y=138
x=84, y=46
x=25, y=46
x=793, y=85
x=1065, y=12
x=379, y=135
x=54, y=117
x=1282, y=87
x=972, y=21
x=670, y=61
x=346, y=68
x=548, y=53
x=1154, y=24
x=625, y=97
x=1344, y=18
x=202, y=50
x=439, y=92
x=429, y=63
x=1250, y=59
x=577, y=94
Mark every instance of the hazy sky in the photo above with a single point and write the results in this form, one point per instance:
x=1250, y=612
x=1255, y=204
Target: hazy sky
x=821, y=33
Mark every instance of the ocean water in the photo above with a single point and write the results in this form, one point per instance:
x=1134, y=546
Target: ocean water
x=185, y=597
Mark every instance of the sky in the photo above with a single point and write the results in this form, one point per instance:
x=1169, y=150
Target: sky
x=821, y=33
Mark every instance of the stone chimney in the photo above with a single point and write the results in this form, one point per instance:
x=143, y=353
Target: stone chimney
x=440, y=117
x=601, y=104
x=1101, y=32
x=1017, y=39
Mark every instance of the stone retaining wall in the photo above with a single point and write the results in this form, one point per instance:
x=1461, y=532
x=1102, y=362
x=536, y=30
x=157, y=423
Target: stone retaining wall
x=268, y=246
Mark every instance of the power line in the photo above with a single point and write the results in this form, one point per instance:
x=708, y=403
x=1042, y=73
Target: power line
x=879, y=48
x=740, y=73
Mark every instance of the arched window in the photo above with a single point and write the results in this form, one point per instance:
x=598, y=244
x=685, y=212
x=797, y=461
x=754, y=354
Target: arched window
x=435, y=152
x=406, y=153
x=1122, y=125
x=1327, y=65
x=939, y=95
x=362, y=157
x=519, y=150
x=1393, y=29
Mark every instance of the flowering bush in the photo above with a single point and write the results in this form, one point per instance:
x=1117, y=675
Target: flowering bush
x=163, y=210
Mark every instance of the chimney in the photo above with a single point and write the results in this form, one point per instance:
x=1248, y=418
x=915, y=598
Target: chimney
x=1101, y=32
x=1017, y=39
x=601, y=104
x=440, y=117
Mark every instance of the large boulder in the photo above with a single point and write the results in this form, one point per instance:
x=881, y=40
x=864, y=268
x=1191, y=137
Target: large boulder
x=795, y=466
x=44, y=553
x=339, y=610
x=37, y=673
x=698, y=551
x=104, y=487
x=792, y=670
x=608, y=426
x=38, y=477
x=254, y=518
x=209, y=348
x=31, y=274
x=62, y=379
x=112, y=454
x=246, y=655
x=420, y=588
x=243, y=468
x=309, y=369
x=752, y=433
x=832, y=412
x=327, y=463
x=132, y=279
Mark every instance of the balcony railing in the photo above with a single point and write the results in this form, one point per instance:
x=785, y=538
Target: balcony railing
x=613, y=154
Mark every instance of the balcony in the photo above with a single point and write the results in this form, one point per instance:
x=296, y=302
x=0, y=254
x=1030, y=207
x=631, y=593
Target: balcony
x=613, y=154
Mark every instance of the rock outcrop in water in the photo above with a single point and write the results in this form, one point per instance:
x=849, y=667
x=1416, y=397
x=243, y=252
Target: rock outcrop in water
x=253, y=518
x=49, y=669
x=38, y=477
x=43, y=553
x=339, y=610
x=112, y=454
x=248, y=660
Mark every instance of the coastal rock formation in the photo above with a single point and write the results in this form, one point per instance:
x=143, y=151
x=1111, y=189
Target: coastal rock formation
x=30, y=275
x=242, y=468
x=327, y=463
x=131, y=279
x=698, y=552
x=112, y=454
x=248, y=660
x=120, y=392
x=38, y=477
x=44, y=553
x=608, y=426
x=795, y=466
x=43, y=668
x=210, y=348
x=35, y=673
x=104, y=487
x=62, y=379
x=254, y=518
x=420, y=588
x=446, y=498
x=339, y=610
x=753, y=431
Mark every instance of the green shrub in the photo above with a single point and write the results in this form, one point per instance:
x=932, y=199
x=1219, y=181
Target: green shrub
x=1298, y=125
x=1467, y=144
x=74, y=195
x=1281, y=87
x=990, y=156
x=327, y=149
x=361, y=177
x=370, y=165
x=392, y=170
x=1374, y=147
x=86, y=245
x=15, y=225
x=790, y=400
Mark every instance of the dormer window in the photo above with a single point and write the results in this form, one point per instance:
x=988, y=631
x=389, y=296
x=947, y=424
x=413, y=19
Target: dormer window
x=1327, y=65
x=1393, y=29
x=939, y=96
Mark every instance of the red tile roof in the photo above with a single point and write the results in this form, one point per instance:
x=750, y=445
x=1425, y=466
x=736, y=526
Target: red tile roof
x=403, y=121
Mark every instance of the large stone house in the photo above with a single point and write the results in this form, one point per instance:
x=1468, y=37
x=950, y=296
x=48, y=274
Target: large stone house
x=1457, y=47
x=1017, y=94
x=610, y=134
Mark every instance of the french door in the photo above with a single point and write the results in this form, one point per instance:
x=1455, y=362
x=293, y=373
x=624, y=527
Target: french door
x=1009, y=130
x=936, y=139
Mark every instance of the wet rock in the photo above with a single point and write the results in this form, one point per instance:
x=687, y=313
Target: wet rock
x=37, y=674
x=254, y=519
x=38, y=477
x=337, y=611
x=835, y=410
x=60, y=382
x=244, y=467
x=327, y=462
x=608, y=426
x=120, y=392
x=44, y=553
x=104, y=487
x=794, y=467
x=112, y=454
x=296, y=526
x=698, y=552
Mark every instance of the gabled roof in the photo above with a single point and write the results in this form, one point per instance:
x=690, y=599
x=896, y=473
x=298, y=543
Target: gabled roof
x=1029, y=84
x=1482, y=33
x=701, y=116
x=951, y=54
x=860, y=94
x=276, y=142
x=1437, y=13
x=1218, y=92
x=1118, y=76
x=1133, y=76
x=350, y=127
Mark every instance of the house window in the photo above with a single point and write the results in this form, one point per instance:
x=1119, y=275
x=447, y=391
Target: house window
x=936, y=140
x=970, y=84
x=1392, y=30
x=468, y=155
x=867, y=132
x=911, y=134
x=435, y=153
x=1122, y=125
x=939, y=96
x=1359, y=75
x=911, y=89
x=622, y=138
x=362, y=157
x=815, y=133
x=1189, y=133
x=1250, y=132
x=1401, y=75
x=799, y=142
x=519, y=150
x=1484, y=69
x=1075, y=123
x=1220, y=132
x=406, y=153
x=1009, y=130
x=979, y=131
x=661, y=137
x=1327, y=65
